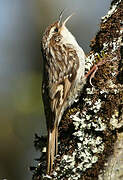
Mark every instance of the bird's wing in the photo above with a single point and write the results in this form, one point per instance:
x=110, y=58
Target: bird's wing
x=61, y=67
x=60, y=70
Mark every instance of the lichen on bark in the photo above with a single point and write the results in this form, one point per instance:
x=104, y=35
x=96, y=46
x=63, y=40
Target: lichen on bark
x=90, y=133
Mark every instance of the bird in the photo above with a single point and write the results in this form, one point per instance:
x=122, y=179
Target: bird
x=63, y=78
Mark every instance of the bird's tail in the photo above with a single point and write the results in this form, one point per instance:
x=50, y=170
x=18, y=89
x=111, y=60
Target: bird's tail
x=51, y=147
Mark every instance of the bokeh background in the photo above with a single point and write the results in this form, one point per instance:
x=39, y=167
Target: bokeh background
x=22, y=23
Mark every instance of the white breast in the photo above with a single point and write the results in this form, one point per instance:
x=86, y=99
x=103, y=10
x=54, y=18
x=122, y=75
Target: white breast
x=68, y=38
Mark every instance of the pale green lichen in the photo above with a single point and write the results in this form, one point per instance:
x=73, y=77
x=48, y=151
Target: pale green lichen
x=110, y=12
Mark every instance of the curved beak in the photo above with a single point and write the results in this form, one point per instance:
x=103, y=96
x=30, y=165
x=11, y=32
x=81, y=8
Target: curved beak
x=60, y=18
x=63, y=24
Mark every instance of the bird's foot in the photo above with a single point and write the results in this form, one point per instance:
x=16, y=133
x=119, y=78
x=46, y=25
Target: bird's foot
x=100, y=60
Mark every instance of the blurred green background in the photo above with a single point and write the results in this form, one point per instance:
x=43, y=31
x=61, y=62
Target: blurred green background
x=21, y=109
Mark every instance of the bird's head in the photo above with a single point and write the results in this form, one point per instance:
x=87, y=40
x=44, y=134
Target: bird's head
x=57, y=31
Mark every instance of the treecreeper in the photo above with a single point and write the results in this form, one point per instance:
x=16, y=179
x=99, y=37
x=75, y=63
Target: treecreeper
x=63, y=78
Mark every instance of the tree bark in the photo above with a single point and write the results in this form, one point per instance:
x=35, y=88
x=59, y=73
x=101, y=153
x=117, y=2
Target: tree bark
x=91, y=131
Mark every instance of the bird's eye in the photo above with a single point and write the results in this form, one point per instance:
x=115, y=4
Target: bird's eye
x=56, y=29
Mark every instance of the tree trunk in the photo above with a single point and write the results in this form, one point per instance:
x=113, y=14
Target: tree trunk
x=90, y=133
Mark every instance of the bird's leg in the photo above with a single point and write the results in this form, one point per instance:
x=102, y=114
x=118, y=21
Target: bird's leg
x=93, y=70
x=91, y=73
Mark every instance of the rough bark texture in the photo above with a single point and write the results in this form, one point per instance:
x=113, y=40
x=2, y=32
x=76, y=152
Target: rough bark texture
x=91, y=131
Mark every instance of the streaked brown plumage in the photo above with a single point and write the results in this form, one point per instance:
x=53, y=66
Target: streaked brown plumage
x=64, y=68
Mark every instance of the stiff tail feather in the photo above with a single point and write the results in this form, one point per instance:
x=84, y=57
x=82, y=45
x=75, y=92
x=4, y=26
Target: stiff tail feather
x=51, y=148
